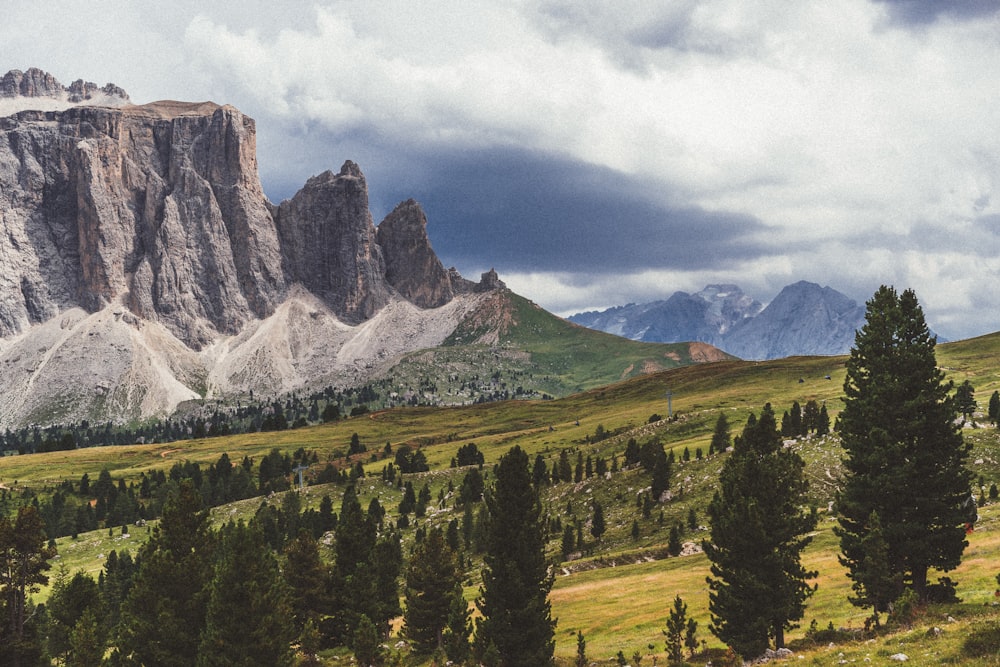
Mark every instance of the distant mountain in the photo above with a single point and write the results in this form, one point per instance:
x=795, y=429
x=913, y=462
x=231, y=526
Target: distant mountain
x=704, y=316
x=804, y=319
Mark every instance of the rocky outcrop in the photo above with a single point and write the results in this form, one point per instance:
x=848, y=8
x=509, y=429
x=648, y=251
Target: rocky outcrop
x=329, y=244
x=158, y=206
x=412, y=268
x=39, y=90
x=141, y=258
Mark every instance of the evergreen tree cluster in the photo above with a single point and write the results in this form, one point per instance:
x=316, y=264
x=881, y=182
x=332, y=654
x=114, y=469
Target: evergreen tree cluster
x=801, y=422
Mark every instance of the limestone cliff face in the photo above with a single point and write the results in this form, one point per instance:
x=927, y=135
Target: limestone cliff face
x=329, y=244
x=412, y=268
x=158, y=206
x=141, y=264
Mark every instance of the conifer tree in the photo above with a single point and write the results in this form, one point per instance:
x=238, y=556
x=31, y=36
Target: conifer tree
x=758, y=586
x=431, y=577
x=516, y=614
x=597, y=525
x=308, y=578
x=676, y=626
x=24, y=559
x=905, y=457
x=164, y=614
x=874, y=582
x=720, y=437
x=456, y=634
x=248, y=617
x=994, y=407
x=965, y=399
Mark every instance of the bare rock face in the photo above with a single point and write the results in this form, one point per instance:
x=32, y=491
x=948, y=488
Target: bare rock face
x=141, y=264
x=33, y=83
x=412, y=268
x=329, y=244
x=158, y=206
x=40, y=91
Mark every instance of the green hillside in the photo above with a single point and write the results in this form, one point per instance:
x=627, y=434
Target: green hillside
x=518, y=344
x=616, y=592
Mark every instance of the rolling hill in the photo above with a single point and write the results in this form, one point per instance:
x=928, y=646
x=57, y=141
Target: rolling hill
x=616, y=592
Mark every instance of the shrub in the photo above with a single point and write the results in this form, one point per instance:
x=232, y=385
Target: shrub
x=983, y=641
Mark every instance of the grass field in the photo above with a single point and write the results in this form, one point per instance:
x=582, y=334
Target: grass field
x=617, y=592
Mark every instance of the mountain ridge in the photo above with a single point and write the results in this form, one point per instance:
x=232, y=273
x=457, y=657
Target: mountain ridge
x=803, y=319
x=142, y=267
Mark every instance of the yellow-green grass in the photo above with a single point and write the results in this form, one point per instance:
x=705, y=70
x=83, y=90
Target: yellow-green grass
x=622, y=607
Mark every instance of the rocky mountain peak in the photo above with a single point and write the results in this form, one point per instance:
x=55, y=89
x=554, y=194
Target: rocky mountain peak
x=411, y=266
x=803, y=319
x=141, y=264
x=37, y=89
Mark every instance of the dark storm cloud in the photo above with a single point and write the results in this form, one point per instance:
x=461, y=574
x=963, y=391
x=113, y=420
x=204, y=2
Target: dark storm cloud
x=926, y=12
x=524, y=211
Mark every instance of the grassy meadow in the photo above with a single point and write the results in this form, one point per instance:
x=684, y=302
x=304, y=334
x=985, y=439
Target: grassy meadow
x=618, y=591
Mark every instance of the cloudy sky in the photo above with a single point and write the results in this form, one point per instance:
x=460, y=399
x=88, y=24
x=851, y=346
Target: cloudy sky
x=597, y=153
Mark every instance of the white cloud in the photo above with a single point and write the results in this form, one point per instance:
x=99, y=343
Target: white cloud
x=838, y=129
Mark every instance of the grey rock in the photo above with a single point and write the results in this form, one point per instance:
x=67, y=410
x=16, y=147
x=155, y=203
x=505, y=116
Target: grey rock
x=159, y=206
x=329, y=244
x=411, y=266
x=141, y=265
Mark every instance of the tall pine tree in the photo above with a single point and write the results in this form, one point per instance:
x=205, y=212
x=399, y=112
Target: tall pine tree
x=516, y=614
x=905, y=457
x=248, y=618
x=431, y=578
x=164, y=614
x=758, y=586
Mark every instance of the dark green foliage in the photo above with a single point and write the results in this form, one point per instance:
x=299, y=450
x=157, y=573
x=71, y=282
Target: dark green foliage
x=114, y=585
x=676, y=625
x=540, y=472
x=431, y=577
x=472, y=487
x=874, y=583
x=823, y=421
x=565, y=469
x=581, y=650
x=469, y=455
x=459, y=627
x=965, y=399
x=365, y=572
x=758, y=586
x=308, y=577
x=597, y=526
x=24, y=559
x=366, y=642
x=70, y=598
x=994, y=407
x=568, y=541
x=905, y=457
x=164, y=613
x=86, y=641
x=248, y=619
x=517, y=617
x=674, y=544
x=720, y=436
x=411, y=460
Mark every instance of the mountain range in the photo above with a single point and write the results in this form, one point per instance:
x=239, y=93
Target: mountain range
x=804, y=319
x=142, y=268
